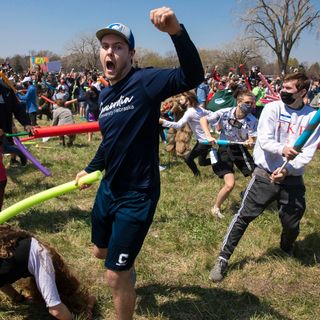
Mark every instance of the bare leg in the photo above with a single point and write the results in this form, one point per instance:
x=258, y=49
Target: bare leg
x=122, y=288
x=226, y=189
x=123, y=292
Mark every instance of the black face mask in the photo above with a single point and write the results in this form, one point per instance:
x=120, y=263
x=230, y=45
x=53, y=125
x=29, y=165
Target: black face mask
x=287, y=97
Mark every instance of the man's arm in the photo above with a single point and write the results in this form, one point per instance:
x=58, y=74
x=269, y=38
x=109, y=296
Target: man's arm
x=97, y=163
x=189, y=75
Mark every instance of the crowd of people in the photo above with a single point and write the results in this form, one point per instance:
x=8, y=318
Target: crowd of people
x=227, y=115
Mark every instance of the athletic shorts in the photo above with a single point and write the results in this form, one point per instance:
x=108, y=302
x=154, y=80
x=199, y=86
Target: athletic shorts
x=237, y=155
x=120, y=223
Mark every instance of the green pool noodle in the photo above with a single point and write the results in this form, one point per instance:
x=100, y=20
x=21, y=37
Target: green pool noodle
x=27, y=203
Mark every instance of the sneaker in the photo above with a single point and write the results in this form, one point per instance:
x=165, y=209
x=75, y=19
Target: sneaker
x=217, y=213
x=287, y=251
x=219, y=270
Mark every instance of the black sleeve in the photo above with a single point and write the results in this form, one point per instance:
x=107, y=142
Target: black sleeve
x=189, y=58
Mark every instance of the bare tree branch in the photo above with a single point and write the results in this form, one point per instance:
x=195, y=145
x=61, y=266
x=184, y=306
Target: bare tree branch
x=279, y=24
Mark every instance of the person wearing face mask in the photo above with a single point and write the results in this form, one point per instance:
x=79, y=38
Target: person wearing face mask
x=280, y=124
x=237, y=124
x=192, y=117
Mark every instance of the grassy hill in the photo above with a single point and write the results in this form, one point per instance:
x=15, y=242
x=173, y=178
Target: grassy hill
x=181, y=247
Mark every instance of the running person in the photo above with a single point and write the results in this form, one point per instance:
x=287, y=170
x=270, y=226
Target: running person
x=237, y=124
x=192, y=117
x=129, y=153
x=280, y=124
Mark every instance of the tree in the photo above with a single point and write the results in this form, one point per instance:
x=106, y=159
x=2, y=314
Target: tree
x=314, y=71
x=278, y=24
x=85, y=52
x=19, y=63
x=241, y=51
x=147, y=58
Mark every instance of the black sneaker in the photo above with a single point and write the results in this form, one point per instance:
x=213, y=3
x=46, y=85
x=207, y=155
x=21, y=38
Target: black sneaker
x=219, y=270
x=23, y=160
x=287, y=251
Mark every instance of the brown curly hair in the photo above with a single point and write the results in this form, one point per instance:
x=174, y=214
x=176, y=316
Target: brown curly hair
x=74, y=296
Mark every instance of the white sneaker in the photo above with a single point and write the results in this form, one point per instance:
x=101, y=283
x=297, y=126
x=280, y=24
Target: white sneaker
x=217, y=213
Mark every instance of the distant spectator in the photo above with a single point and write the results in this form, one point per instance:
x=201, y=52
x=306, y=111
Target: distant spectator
x=259, y=92
x=61, y=94
x=63, y=115
x=202, y=93
x=30, y=99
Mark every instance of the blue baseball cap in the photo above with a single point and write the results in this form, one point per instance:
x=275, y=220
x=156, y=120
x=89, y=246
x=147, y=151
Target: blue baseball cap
x=118, y=29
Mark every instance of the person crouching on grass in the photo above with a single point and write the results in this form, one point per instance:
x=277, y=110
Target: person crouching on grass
x=237, y=124
x=63, y=115
x=22, y=256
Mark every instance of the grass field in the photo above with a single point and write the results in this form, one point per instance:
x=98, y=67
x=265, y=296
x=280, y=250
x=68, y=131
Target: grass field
x=181, y=247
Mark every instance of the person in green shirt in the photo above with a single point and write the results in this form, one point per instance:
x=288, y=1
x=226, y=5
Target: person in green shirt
x=259, y=92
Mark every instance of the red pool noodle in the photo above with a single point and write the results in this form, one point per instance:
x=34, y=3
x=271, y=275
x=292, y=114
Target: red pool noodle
x=67, y=129
x=104, y=81
x=27, y=139
x=264, y=80
x=47, y=99
x=245, y=77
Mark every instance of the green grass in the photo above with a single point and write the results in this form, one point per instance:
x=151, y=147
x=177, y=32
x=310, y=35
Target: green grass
x=181, y=246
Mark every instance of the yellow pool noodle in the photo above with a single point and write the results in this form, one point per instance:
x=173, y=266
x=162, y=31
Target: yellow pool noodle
x=22, y=205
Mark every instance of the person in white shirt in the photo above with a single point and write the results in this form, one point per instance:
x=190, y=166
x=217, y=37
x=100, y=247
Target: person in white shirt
x=22, y=256
x=237, y=125
x=280, y=124
x=192, y=117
